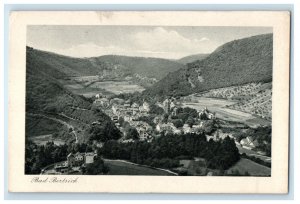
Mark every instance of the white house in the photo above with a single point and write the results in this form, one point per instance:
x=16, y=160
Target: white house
x=89, y=157
x=146, y=106
x=248, y=143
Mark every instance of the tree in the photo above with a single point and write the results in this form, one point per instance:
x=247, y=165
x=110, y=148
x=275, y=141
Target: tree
x=121, y=121
x=96, y=168
x=132, y=133
x=208, y=126
x=192, y=112
x=104, y=131
x=178, y=123
x=165, y=118
x=155, y=109
x=203, y=116
x=88, y=148
x=190, y=121
x=239, y=136
x=147, y=119
x=183, y=116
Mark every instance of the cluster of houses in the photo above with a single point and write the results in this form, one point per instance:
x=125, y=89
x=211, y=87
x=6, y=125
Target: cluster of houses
x=144, y=130
x=130, y=112
x=170, y=128
x=75, y=162
x=170, y=106
x=118, y=108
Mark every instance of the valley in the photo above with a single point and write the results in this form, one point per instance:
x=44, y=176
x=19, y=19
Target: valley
x=119, y=115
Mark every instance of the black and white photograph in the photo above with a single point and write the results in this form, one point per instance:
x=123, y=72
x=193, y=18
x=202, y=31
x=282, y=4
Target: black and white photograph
x=148, y=100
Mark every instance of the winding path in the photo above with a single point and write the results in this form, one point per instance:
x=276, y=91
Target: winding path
x=69, y=126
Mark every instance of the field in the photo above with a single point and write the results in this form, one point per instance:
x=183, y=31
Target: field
x=254, y=169
x=117, y=167
x=219, y=107
x=118, y=87
x=88, y=92
x=89, y=86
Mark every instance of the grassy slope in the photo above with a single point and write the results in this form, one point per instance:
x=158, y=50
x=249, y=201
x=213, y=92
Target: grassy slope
x=121, y=168
x=251, y=167
x=37, y=126
x=43, y=91
x=234, y=63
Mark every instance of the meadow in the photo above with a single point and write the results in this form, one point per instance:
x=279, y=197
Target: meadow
x=117, y=167
x=89, y=86
x=246, y=165
x=118, y=87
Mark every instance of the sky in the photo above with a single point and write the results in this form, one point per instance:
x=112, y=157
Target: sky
x=143, y=41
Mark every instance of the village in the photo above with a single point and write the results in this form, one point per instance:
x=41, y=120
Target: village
x=134, y=114
x=145, y=121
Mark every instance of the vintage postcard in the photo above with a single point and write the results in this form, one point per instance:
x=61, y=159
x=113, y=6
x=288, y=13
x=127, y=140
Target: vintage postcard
x=142, y=102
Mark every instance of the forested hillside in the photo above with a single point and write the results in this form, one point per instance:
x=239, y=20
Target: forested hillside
x=126, y=66
x=46, y=97
x=43, y=91
x=234, y=63
x=149, y=67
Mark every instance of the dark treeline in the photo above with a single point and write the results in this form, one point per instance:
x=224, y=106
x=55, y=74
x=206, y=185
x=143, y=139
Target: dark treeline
x=165, y=151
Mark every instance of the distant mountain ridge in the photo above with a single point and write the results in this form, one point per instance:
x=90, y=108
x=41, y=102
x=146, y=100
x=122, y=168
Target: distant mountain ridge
x=234, y=63
x=146, y=66
x=192, y=58
x=127, y=66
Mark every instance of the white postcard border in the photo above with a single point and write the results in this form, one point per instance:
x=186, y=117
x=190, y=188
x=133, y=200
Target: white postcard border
x=277, y=183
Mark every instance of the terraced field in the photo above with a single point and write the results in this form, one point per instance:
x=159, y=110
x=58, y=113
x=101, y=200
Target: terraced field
x=254, y=98
x=220, y=107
